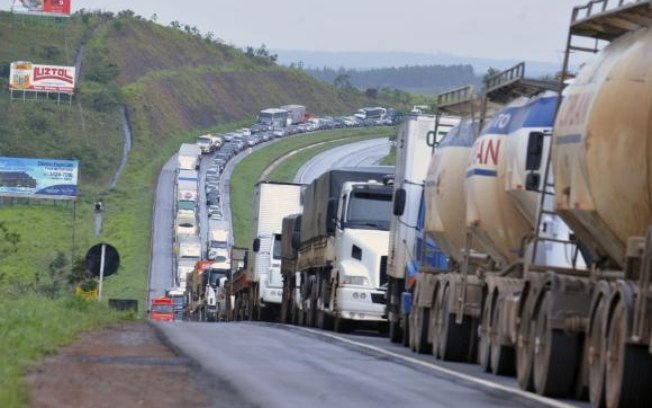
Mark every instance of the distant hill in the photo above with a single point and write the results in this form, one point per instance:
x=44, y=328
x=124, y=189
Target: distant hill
x=172, y=80
x=427, y=80
x=373, y=60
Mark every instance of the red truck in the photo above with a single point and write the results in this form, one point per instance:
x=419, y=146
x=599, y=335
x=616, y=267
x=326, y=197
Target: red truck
x=162, y=309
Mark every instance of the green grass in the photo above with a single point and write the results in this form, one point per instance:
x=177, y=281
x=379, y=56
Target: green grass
x=390, y=159
x=248, y=171
x=32, y=327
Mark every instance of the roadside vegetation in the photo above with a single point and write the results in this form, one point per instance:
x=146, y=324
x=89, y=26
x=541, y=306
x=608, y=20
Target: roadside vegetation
x=248, y=171
x=390, y=159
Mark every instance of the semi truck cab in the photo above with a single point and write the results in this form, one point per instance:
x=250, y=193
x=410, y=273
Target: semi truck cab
x=361, y=247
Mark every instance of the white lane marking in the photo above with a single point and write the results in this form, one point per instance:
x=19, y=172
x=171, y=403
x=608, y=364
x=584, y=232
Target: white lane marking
x=485, y=383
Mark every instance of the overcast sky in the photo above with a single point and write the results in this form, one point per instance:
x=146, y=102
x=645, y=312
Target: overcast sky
x=520, y=29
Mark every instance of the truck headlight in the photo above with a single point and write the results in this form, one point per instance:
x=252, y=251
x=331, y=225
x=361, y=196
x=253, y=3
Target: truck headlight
x=355, y=280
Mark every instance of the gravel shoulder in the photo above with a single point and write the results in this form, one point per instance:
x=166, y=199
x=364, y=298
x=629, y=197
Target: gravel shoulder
x=127, y=365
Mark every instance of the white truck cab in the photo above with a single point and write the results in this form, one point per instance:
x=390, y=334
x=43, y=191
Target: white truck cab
x=361, y=237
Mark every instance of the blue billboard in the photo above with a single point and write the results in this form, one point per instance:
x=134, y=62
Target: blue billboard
x=38, y=178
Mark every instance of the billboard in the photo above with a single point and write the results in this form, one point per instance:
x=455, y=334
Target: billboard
x=47, y=7
x=38, y=178
x=25, y=76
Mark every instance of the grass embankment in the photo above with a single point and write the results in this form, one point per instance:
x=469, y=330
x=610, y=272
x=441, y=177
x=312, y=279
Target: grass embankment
x=248, y=171
x=390, y=159
x=32, y=327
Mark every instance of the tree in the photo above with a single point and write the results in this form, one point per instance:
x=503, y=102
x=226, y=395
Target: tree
x=342, y=81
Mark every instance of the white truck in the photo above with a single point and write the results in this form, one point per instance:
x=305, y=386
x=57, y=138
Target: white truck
x=187, y=190
x=218, y=240
x=205, y=144
x=296, y=113
x=259, y=287
x=188, y=246
x=187, y=175
x=341, y=268
x=186, y=224
x=188, y=157
x=185, y=265
x=413, y=151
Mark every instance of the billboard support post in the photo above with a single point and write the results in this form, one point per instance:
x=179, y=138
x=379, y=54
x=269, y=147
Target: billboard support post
x=102, y=260
x=72, y=251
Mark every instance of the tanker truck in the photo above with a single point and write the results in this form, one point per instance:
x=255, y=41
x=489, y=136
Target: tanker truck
x=600, y=160
x=412, y=158
x=341, y=266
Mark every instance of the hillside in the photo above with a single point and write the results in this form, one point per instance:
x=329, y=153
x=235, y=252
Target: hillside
x=174, y=82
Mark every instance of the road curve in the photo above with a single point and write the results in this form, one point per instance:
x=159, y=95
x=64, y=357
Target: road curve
x=365, y=153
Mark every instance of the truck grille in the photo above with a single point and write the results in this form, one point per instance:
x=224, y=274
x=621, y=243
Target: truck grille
x=378, y=297
x=383, y=270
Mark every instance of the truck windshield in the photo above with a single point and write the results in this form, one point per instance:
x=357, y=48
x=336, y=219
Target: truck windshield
x=277, y=246
x=162, y=308
x=203, y=140
x=369, y=209
x=219, y=244
x=266, y=119
x=215, y=275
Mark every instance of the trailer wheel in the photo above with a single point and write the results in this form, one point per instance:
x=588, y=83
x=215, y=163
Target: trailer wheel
x=502, y=357
x=555, y=356
x=455, y=339
x=405, y=340
x=393, y=312
x=422, y=321
x=596, y=343
x=628, y=368
x=484, y=349
x=525, y=350
x=435, y=322
x=324, y=320
x=412, y=343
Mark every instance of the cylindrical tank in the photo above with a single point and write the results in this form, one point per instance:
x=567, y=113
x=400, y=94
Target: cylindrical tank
x=499, y=210
x=602, y=150
x=444, y=190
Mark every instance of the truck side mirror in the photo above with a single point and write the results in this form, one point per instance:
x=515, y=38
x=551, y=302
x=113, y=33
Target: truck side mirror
x=296, y=240
x=331, y=214
x=399, y=202
x=534, y=151
x=256, y=244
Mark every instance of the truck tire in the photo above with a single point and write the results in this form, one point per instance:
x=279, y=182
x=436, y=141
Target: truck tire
x=393, y=312
x=525, y=348
x=596, y=345
x=484, y=348
x=555, y=357
x=405, y=336
x=324, y=319
x=422, y=321
x=455, y=339
x=502, y=356
x=343, y=325
x=629, y=367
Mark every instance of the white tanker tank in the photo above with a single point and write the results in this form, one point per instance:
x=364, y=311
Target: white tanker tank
x=602, y=149
x=444, y=190
x=501, y=212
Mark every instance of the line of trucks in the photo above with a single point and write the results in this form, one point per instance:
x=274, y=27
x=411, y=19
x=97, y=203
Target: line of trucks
x=514, y=232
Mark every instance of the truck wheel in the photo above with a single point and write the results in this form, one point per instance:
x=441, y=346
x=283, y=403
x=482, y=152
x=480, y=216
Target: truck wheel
x=629, y=367
x=422, y=322
x=525, y=349
x=502, y=357
x=393, y=312
x=596, y=355
x=405, y=336
x=324, y=320
x=342, y=325
x=484, y=349
x=454, y=342
x=555, y=356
